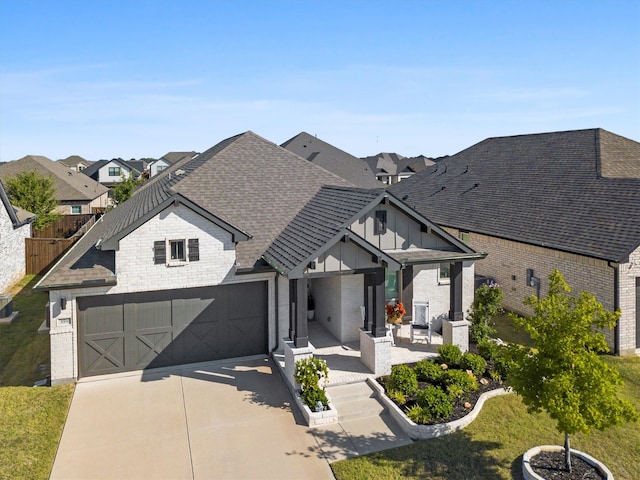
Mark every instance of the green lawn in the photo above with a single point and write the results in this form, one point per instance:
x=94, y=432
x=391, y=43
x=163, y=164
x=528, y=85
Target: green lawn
x=24, y=354
x=31, y=419
x=508, y=332
x=492, y=446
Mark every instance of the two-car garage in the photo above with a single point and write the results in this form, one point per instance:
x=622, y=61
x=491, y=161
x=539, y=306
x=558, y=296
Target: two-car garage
x=135, y=331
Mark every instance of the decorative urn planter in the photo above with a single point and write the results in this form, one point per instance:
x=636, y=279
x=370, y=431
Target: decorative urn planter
x=529, y=474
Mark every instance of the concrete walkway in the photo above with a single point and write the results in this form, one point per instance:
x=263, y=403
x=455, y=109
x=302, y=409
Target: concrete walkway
x=214, y=420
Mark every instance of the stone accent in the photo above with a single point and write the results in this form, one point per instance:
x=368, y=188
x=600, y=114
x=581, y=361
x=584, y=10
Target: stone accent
x=375, y=353
x=457, y=333
x=628, y=273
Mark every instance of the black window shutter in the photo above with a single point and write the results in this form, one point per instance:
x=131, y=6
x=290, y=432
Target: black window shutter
x=194, y=250
x=159, y=252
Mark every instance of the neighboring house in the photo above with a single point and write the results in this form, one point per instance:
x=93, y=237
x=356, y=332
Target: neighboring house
x=75, y=192
x=390, y=168
x=166, y=161
x=141, y=166
x=322, y=154
x=214, y=259
x=565, y=200
x=75, y=163
x=15, y=226
x=111, y=172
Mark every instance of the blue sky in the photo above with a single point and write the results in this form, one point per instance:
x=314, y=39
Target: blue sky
x=131, y=79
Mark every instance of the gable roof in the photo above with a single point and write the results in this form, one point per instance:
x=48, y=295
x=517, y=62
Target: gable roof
x=318, y=152
x=327, y=218
x=73, y=161
x=18, y=216
x=552, y=189
x=395, y=164
x=246, y=183
x=69, y=185
x=92, y=170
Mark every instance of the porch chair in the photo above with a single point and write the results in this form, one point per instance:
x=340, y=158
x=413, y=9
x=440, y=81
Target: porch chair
x=420, y=326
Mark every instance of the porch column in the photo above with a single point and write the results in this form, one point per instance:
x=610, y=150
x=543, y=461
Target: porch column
x=455, y=292
x=298, y=326
x=375, y=303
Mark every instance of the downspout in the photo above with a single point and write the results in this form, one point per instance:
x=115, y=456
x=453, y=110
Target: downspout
x=275, y=288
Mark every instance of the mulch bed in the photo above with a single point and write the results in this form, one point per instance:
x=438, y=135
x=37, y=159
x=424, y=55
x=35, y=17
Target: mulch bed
x=550, y=465
x=459, y=409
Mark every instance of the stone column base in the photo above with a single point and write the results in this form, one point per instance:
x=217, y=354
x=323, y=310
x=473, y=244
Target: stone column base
x=291, y=356
x=375, y=353
x=457, y=333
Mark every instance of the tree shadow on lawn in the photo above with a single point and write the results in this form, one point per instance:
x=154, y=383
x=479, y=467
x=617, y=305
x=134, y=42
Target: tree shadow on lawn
x=452, y=457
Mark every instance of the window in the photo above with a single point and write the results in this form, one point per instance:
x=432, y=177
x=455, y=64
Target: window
x=380, y=224
x=177, y=250
x=76, y=209
x=465, y=236
x=114, y=171
x=160, y=168
x=391, y=285
x=444, y=272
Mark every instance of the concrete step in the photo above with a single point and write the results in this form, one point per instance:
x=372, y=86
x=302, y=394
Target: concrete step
x=354, y=401
x=350, y=391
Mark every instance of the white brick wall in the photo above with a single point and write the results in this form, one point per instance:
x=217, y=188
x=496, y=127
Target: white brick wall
x=12, y=259
x=135, y=269
x=628, y=322
x=136, y=272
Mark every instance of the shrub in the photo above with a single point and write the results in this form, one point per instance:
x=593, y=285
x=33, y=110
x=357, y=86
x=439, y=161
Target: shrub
x=450, y=354
x=312, y=374
x=487, y=302
x=460, y=378
x=480, y=331
x=434, y=403
x=418, y=414
x=397, y=397
x=402, y=379
x=428, y=371
x=473, y=362
x=488, y=349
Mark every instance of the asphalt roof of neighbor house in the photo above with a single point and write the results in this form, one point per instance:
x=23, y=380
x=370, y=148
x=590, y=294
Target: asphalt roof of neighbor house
x=92, y=169
x=576, y=191
x=69, y=185
x=395, y=164
x=325, y=155
x=247, y=182
x=173, y=157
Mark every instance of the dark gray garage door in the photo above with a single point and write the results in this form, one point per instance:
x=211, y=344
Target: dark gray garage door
x=134, y=331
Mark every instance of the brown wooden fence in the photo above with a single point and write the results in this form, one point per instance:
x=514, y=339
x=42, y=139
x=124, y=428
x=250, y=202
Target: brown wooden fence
x=64, y=226
x=42, y=253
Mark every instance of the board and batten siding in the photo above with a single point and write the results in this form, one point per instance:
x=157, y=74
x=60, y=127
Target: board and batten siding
x=401, y=233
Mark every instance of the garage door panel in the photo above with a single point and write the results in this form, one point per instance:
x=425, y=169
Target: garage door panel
x=156, y=329
x=103, y=354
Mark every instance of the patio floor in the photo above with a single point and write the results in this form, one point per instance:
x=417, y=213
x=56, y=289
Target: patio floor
x=344, y=362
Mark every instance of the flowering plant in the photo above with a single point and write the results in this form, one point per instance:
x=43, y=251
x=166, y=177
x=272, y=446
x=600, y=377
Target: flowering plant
x=395, y=312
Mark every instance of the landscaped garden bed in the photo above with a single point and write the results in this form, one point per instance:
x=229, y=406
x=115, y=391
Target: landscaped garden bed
x=443, y=391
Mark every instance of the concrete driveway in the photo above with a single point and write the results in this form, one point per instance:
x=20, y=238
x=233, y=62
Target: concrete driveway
x=215, y=420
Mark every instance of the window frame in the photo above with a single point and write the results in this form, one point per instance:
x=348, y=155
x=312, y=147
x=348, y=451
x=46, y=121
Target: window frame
x=73, y=207
x=380, y=222
x=115, y=169
x=444, y=280
x=177, y=242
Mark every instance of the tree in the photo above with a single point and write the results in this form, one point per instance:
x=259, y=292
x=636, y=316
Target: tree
x=563, y=374
x=487, y=302
x=123, y=191
x=36, y=193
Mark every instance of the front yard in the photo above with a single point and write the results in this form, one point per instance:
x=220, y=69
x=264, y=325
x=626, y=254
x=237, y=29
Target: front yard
x=492, y=446
x=31, y=419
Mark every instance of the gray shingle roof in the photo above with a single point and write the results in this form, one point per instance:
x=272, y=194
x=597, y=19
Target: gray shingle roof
x=551, y=189
x=327, y=214
x=245, y=181
x=352, y=169
x=69, y=185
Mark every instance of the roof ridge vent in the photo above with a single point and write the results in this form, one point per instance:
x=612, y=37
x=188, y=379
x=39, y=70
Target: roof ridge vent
x=180, y=172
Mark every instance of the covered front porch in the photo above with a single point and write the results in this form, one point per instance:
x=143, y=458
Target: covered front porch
x=343, y=359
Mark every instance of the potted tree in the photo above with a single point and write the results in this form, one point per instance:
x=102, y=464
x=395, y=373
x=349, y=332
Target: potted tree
x=563, y=374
